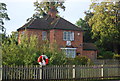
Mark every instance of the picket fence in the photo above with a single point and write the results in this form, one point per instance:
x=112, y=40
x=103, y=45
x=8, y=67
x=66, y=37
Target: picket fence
x=53, y=72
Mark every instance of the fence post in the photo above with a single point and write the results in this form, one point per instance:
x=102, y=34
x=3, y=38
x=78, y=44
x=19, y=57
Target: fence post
x=73, y=71
x=119, y=67
x=102, y=71
x=0, y=72
x=41, y=72
x=0, y=59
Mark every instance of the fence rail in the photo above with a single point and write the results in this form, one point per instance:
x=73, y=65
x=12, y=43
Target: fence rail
x=59, y=72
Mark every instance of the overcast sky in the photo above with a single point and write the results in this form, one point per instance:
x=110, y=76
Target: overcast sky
x=20, y=10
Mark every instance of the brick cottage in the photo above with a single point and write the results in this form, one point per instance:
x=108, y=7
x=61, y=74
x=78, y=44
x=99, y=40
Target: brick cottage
x=67, y=36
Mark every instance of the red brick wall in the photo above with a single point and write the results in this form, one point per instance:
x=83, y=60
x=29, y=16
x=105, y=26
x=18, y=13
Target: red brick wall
x=57, y=35
x=52, y=36
x=90, y=54
x=38, y=33
x=30, y=32
x=19, y=34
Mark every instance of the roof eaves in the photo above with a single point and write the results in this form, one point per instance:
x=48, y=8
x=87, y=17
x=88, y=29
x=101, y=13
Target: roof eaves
x=90, y=49
x=38, y=28
x=28, y=24
x=66, y=29
x=69, y=22
x=31, y=22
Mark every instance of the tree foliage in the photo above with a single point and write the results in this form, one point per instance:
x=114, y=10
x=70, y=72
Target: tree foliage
x=103, y=54
x=28, y=51
x=79, y=60
x=104, y=24
x=43, y=7
x=3, y=15
x=87, y=35
x=22, y=54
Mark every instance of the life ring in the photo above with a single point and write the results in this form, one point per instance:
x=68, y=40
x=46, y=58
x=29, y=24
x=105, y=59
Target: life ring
x=43, y=60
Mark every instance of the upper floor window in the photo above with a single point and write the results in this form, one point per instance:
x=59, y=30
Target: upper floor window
x=68, y=36
x=44, y=35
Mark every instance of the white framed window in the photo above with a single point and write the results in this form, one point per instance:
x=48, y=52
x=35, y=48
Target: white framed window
x=44, y=35
x=70, y=52
x=68, y=36
x=23, y=32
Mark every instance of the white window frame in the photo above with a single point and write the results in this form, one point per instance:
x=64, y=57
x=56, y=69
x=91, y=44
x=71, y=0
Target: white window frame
x=68, y=36
x=23, y=32
x=44, y=35
x=70, y=52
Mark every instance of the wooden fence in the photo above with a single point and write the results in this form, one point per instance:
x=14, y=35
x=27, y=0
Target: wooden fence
x=0, y=72
x=53, y=72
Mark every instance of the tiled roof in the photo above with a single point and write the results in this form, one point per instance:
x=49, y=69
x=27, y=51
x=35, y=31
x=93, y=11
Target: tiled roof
x=89, y=46
x=39, y=23
x=48, y=23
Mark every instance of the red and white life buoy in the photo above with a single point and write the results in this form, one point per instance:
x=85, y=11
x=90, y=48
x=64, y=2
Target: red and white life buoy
x=43, y=60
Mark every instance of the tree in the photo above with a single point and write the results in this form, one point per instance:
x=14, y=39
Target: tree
x=28, y=51
x=88, y=15
x=22, y=54
x=3, y=15
x=87, y=35
x=43, y=7
x=104, y=26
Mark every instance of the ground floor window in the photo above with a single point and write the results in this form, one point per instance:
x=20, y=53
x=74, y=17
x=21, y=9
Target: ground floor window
x=70, y=52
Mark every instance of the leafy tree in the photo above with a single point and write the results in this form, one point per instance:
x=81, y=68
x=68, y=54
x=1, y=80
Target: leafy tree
x=88, y=15
x=28, y=51
x=3, y=15
x=104, y=26
x=43, y=7
x=87, y=35
x=22, y=54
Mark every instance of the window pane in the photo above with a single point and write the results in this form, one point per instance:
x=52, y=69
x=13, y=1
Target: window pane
x=68, y=36
x=44, y=35
x=72, y=36
x=64, y=35
x=70, y=53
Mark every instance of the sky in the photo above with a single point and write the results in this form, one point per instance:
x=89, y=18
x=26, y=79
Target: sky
x=20, y=10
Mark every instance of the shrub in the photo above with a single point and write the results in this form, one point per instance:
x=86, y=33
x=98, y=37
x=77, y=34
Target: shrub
x=116, y=56
x=78, y=60
x=103, y=54
x=28, y=51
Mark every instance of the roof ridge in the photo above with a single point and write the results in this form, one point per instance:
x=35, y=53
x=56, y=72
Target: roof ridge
x=47, y=17
x=70, y=22
x=29, y=23
x=57, y=20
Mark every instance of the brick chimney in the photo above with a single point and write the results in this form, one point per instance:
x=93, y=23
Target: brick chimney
x=52, y=12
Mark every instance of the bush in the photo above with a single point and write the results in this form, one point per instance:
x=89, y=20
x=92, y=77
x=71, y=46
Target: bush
x=105, y=54
x=116, y=56
x=78, y=60
x=28, y=51
x=108, y=55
